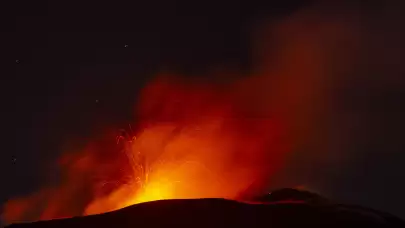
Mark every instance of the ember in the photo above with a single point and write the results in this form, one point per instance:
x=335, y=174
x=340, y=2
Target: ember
x=196, y=146
x=193, y=142
x=197, y=139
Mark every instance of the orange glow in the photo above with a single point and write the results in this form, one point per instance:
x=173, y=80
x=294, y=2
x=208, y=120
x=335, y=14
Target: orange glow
x=193, y=141
x=197, y=140
x=205, y=149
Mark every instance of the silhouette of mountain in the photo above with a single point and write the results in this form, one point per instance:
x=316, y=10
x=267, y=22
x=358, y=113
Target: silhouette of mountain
x=286, y=208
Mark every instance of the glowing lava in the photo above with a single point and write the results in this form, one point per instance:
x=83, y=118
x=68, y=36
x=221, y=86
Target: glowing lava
x=197, y=140
x=205, y=149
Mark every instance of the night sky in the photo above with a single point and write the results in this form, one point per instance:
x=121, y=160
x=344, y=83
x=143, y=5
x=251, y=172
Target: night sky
x=78, y=67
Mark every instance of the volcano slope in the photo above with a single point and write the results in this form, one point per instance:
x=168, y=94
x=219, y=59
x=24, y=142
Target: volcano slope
x=280, y=211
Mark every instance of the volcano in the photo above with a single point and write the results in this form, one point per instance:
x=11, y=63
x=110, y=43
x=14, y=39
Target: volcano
x=287, y=208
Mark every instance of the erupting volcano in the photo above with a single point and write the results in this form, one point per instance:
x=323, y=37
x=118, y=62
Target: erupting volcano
x=198, y=138
x=192, y=141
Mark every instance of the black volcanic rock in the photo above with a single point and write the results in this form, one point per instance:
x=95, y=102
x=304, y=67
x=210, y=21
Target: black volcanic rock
x=226, y=213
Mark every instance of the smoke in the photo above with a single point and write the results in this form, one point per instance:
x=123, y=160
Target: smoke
x=365, y=123
x=301, y=61
x=305, y=115
x=346, y=62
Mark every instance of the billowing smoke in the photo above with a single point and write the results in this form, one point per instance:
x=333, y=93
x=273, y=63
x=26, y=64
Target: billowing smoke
x=319, y=94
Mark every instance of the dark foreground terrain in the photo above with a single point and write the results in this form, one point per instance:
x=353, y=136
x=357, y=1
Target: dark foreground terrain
x=290, y=212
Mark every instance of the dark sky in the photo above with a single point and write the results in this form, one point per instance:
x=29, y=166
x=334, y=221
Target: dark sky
x=78, y=68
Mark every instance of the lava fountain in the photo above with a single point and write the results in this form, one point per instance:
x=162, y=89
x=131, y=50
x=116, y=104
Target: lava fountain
x=194, y=143
x=194, y=139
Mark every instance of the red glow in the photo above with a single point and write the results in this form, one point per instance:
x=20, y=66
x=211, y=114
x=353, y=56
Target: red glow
x=194, y=141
